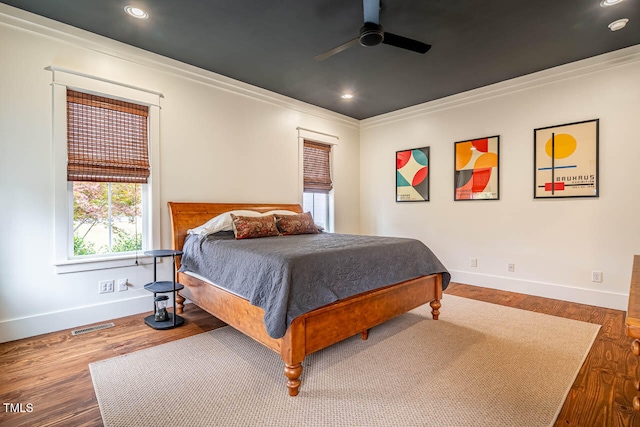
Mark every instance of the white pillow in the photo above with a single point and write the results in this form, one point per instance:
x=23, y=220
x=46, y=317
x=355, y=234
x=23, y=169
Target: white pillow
x=281, y=212
x=223, y=222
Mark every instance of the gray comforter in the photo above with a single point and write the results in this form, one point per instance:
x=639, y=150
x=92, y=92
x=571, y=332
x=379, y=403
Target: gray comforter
x=291, y=275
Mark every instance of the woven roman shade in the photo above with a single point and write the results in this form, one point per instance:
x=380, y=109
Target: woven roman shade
x=107, y=139
x=317, y=167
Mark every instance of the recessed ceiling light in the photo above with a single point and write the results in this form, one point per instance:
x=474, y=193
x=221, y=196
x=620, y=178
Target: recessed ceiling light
x=618, y=25
x=346, y=96
x=605, y=3
x=136, y=12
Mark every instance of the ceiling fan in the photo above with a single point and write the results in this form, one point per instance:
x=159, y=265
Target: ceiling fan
x=372, y=34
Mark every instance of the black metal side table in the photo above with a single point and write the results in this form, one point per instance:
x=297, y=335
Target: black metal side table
x=160, y=287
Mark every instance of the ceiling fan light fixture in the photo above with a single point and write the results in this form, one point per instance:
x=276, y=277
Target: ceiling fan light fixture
x=618, y=25
x=371, y=34
x=346, y=96
x=136, y=12
x=607, y=3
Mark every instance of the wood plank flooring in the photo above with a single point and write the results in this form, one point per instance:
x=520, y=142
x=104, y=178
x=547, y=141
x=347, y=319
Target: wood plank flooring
x=51, y=371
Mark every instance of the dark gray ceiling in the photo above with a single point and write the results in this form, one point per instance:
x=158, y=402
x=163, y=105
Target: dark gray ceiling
x=272, y=44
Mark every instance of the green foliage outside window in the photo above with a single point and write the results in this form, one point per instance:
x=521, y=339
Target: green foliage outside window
x=105, y=217
x=127, y=242
x=82, y=247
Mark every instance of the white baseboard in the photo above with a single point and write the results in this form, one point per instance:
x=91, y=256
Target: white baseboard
x=541, y=289
x=15, y=329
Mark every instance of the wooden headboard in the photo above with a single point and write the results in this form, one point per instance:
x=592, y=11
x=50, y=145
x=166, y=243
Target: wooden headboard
x=187, y=215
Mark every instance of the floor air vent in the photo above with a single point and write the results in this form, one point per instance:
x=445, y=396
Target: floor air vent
x=92, y=329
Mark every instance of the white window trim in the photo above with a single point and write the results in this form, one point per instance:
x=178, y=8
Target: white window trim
x=62, y=207
x=322, y=138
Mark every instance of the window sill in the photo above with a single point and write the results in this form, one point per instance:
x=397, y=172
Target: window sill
x=78, y=265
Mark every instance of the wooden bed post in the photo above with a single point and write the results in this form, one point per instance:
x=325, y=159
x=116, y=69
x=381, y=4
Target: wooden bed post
x=435, y=308
x=293, y=352
x=435, y=304
x=293, y=372
x=179, y=303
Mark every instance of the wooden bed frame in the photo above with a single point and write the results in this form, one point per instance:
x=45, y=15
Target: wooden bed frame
x=309, y=332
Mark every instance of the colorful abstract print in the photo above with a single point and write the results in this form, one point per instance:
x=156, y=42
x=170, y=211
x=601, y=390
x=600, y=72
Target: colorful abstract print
x=412, y=175
x=476, y=174
x=567, y=160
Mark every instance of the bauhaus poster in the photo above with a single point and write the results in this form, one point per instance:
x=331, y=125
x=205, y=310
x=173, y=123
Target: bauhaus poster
x=566, y=160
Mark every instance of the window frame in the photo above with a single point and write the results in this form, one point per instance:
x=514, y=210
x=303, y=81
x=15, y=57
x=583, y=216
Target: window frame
x=65, y=261
x=320, y=138
x=328, y=213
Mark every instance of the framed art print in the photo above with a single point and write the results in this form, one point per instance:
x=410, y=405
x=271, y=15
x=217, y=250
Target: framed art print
x=477, y=169
x=412, y=175
x=566, y=160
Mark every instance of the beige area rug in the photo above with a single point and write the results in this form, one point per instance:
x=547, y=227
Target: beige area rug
x=479, y=365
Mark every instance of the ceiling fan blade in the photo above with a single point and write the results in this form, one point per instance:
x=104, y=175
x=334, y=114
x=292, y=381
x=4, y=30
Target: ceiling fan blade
x=405, y=43
x=371, y=11
x=337, y=49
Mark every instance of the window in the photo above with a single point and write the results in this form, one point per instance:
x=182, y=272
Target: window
x=317, y=184
x=108, y=168
x=107, y=217
x=318, y=205
x=106, y=174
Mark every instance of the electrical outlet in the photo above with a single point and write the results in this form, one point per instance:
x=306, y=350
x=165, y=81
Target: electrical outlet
x=105, y=286
x=596, y=276
x=473, y=262
x=122, y=285
x=511, y=268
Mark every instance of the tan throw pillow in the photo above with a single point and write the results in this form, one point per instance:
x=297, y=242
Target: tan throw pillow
x=296, y=224
x=246, y=227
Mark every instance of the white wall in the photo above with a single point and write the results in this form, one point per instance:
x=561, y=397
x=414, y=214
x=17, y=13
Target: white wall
x=555, y=244
x=221, y=141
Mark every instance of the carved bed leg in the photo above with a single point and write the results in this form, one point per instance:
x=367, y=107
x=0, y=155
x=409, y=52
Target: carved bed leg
x=179, y=303
x=365, y=334
x=435, y=308
x=293, y=372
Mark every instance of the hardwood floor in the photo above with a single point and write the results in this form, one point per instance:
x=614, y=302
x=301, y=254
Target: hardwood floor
x=51, y=373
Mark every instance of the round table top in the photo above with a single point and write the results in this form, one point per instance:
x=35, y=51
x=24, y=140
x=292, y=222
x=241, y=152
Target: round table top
x=162, y=252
